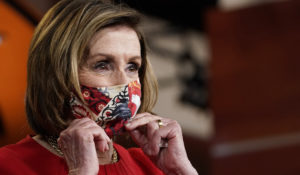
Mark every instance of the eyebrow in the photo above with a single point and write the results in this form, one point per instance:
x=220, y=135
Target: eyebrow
x=110, y=56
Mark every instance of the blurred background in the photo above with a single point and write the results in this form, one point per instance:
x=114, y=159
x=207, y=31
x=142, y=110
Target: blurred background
x=228, y=71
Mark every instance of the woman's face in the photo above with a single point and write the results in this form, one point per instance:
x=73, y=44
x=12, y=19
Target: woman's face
x=114, y=58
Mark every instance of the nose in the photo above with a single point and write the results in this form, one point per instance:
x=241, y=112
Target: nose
x=121, y=77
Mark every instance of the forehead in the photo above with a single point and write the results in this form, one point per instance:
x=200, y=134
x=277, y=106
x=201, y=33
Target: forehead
x=115, y=40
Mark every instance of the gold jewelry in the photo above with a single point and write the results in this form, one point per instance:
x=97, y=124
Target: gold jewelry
x=53, y=143
x=160, y=123
x=164, y=142
x=114, y=156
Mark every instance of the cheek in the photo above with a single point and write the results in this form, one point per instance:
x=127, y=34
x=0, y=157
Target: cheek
x=89, y=79
x=133, y=76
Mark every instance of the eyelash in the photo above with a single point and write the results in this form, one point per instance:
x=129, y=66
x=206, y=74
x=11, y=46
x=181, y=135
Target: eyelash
x=104, y=65
x=101, y=64
x=136, y=67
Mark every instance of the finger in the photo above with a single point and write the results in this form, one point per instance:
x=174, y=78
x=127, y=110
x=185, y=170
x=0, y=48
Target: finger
x=98, y=133
x=138, y=137
x=171, y=131
x=141, y=115
x=137, y=122
x=75, y=122
x=65, y=135
x=61, y=144
x=87, y=123
x=154, y=138
x=101, y=139
x=152, y=127
x=93, y=135
x=102, y=146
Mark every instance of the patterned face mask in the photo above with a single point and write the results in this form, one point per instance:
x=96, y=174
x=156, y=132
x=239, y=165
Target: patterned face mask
x=109, y=107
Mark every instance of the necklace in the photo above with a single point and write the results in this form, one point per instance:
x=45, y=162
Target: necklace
x=52, y=141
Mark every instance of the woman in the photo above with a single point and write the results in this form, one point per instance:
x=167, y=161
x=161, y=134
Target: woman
x=89, y=80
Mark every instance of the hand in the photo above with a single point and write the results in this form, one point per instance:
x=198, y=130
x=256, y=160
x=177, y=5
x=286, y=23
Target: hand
x=145, y=131
x=80, y=142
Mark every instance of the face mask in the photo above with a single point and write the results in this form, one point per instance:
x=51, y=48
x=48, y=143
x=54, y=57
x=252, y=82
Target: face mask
x=109, y=107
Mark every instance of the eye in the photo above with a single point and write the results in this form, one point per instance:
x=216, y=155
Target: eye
x=102, y=65
x=133, y=67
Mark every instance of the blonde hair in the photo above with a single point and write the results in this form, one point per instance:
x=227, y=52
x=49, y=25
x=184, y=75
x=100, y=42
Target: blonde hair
x=58, y=47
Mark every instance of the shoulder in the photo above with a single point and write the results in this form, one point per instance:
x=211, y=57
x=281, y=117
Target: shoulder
x=25, y=157
x=15, y=150
x=25, y=147
x=14, y=155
